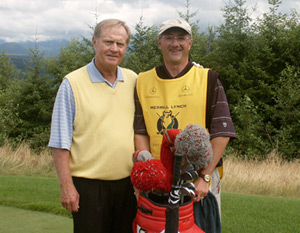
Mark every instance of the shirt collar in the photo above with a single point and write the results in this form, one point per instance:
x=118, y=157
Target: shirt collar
x=163, y=72
x=97, y=77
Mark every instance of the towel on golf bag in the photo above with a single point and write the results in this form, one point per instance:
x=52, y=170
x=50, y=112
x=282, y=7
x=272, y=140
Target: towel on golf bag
x=206, y=213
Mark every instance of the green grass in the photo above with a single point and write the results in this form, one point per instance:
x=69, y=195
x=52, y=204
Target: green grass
x=240, y=213
x=15, y=220
x=253, y=213
x=33, y=193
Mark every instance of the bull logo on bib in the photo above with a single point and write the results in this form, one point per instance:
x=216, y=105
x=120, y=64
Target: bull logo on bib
x=166, y=121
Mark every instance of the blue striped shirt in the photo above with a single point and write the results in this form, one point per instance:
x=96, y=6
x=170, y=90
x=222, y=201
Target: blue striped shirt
x=64, y=108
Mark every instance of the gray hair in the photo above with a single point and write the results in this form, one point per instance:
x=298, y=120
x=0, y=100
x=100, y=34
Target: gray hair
x=111, y=23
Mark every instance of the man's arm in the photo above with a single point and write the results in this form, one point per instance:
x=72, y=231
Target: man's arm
x=219, y=145
x=68, y=192
x=141, y=142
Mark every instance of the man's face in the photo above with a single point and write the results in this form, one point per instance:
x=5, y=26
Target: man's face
x=110, y=47
x=175, y=44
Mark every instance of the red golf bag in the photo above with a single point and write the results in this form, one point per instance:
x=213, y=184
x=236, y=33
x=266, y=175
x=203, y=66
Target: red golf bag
x=151, y=215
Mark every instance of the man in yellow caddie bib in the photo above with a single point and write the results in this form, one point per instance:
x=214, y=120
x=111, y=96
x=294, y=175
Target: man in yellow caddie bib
x=180, y=92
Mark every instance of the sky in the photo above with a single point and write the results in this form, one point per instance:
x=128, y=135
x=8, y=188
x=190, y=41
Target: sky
x=26, y=20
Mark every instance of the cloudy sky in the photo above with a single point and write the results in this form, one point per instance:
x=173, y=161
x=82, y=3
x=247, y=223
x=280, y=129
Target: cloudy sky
x=22, y=20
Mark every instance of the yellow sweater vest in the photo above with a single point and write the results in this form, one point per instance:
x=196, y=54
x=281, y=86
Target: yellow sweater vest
x=172, y=103
x=103, y=141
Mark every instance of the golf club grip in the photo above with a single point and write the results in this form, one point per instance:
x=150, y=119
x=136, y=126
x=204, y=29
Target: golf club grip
x=177, y=167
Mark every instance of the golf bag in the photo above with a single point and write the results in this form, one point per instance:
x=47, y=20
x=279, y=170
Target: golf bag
x=151, y=215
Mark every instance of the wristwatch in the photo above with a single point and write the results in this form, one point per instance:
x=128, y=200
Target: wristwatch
x=206, y=177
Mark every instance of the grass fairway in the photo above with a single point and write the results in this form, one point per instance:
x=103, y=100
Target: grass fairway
x=33, y=193
x=14, y=220
x=240, y=213
x=253, y=213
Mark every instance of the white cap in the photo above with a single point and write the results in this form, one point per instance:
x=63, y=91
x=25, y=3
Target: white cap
x=171, y=23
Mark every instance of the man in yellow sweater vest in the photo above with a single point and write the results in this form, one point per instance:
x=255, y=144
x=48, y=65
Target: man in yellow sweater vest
x=92, y=136
x=178, y=93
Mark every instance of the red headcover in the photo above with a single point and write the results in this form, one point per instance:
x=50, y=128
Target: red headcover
x=166, y=154
x=149, y=175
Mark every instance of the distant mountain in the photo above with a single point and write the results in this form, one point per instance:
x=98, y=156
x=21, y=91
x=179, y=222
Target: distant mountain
x=49, y=48
x=19, y=52
x=13, y=48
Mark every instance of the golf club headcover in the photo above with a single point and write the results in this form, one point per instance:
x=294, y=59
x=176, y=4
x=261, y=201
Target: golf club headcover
x=166, y=154
x=141, y=155
x=194, y=143
x=149, y=175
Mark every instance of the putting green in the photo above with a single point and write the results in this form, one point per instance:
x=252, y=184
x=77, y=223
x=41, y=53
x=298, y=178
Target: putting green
x=14, y=220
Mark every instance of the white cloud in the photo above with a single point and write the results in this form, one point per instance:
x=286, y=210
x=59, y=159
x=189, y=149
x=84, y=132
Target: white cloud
x=65, y=19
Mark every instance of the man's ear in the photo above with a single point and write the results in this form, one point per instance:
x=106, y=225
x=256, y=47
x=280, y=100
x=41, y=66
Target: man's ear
x=191, y=43
x=158, y=41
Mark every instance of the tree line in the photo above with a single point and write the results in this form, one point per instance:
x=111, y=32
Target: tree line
x=257, y=58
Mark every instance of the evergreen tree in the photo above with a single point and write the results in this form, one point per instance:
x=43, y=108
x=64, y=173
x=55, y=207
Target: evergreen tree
x=232, y=56
x=277, y=52
x=258, y=53
x=286, y=112
x=203, y=43
x=10, y=121
x=75, y=54
x=143, y=53
x=35, y=101
x=8, y=107
x=8, y=71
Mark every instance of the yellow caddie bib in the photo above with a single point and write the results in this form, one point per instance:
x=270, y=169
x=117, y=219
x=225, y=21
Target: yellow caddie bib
x=172, y=103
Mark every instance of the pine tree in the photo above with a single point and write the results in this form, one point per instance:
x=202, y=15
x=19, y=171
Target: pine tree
x=8, y=71
x=34, y=102
x=143, y=52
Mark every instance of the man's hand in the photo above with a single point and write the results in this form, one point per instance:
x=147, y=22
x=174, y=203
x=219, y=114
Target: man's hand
x=202, y=189
x=69, y=198
x=218, y=145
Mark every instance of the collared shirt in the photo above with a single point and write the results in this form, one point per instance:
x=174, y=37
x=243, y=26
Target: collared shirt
x=64, y=108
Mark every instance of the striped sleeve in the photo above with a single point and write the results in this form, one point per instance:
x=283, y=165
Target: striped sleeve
x=221, y=122
x=62, y=117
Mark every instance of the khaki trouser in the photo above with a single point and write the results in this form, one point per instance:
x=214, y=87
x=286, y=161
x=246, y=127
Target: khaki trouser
x=215, y=187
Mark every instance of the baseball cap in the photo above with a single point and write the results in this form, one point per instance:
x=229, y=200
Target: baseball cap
x=171, y=23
